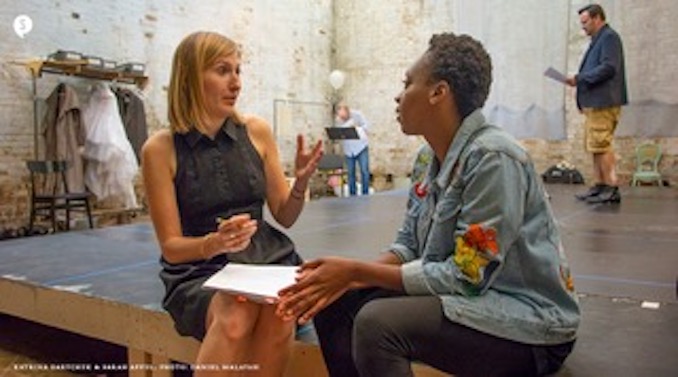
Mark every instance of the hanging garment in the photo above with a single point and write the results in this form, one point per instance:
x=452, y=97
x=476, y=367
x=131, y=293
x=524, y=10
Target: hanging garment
x=133, y=117
x=64, y=133
x=111, y=163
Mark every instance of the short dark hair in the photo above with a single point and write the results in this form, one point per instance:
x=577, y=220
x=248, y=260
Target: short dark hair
x=594, y=10
x=463, y=63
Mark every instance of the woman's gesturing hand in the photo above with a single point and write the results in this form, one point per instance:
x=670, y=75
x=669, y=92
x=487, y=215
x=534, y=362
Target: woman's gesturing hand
x=306, y=162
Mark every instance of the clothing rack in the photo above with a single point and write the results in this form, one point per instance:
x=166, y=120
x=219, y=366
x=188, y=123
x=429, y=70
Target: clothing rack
x=76, y=68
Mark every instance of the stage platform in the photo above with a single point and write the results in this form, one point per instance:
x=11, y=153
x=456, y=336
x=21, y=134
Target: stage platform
x=103, y=283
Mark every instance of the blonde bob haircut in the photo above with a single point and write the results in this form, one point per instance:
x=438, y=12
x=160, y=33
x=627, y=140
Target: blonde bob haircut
x=195, y=54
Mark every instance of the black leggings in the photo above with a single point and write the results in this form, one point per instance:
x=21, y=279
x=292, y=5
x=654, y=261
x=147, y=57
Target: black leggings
x=374, y=332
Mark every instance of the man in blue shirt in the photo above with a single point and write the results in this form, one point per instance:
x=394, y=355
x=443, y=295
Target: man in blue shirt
x=601, y=91
x=355, y=150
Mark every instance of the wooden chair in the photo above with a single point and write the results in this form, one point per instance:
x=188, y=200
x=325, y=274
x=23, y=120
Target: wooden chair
x=50, y=194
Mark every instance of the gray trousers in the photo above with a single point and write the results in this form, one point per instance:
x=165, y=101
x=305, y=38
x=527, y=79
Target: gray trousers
x=378, y=333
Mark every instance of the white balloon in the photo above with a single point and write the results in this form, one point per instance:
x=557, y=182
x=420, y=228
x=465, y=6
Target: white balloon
x=337, y=79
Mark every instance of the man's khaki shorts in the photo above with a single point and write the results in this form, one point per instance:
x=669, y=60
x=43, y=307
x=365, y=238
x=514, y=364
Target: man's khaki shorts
x=599, y=127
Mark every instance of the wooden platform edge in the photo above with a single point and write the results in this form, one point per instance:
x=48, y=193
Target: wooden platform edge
x=147, y=334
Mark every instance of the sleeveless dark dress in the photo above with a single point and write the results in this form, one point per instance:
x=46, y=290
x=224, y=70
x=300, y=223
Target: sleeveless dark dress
x=217, y=178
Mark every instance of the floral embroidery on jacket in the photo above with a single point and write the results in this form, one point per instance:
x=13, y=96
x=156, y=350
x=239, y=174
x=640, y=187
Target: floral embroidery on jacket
x=420, y=189
x=472, y=251
x=567, y=278
x=421, y=163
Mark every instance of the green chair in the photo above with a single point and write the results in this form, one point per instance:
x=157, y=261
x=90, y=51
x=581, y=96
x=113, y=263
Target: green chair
x=647, y=164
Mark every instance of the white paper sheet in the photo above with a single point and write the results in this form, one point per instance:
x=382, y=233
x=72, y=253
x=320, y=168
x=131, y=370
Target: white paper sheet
x=259, y=283
x=554, y=74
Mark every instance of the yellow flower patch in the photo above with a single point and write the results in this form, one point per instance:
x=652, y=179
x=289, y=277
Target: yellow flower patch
x=472, y=250
x=566, y=276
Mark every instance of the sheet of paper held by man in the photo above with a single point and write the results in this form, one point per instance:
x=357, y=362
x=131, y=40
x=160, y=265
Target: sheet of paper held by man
x=554, y=74
x=259, y=283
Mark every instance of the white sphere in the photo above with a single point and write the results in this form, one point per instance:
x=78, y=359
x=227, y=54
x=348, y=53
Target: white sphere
x=337, y=79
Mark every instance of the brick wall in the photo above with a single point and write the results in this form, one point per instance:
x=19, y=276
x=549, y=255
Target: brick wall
x=376, y=41
x=289, y=49
x=286, y=55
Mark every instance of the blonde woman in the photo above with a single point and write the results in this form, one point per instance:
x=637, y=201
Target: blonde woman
x=207, y=178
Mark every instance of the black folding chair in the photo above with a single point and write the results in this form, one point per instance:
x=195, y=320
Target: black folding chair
x=50, y=194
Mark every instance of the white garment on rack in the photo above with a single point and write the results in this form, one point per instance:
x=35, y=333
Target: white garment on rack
x=111, y=163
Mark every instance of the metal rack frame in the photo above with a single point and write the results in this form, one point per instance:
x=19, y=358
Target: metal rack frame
x=75, y=68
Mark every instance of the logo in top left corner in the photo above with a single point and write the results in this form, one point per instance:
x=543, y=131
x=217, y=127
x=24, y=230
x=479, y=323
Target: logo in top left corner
x=22, y=25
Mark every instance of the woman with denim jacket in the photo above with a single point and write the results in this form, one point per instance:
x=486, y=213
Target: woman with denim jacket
x=476, y=282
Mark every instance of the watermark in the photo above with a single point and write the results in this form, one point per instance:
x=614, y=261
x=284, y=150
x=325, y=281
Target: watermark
x=114, y=367
x=22, y=25
x=224, y=367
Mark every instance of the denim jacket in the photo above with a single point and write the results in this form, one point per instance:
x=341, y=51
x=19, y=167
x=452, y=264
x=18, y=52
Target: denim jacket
x=480, y=234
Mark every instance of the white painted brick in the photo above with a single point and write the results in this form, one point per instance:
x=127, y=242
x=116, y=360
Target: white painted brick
x=289, y=49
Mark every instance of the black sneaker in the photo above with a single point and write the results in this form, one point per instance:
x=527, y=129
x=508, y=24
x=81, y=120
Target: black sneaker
x=610, y=194
x=592, y=191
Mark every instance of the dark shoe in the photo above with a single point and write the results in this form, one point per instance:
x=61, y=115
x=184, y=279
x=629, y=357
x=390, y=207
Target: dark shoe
x=610, y=194
x=593, y=191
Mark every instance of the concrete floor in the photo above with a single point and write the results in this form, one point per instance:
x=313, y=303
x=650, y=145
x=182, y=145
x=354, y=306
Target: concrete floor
x=624, y=259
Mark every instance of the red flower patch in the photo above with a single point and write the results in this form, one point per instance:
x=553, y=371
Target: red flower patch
x=482, y=239
x=420, y=190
